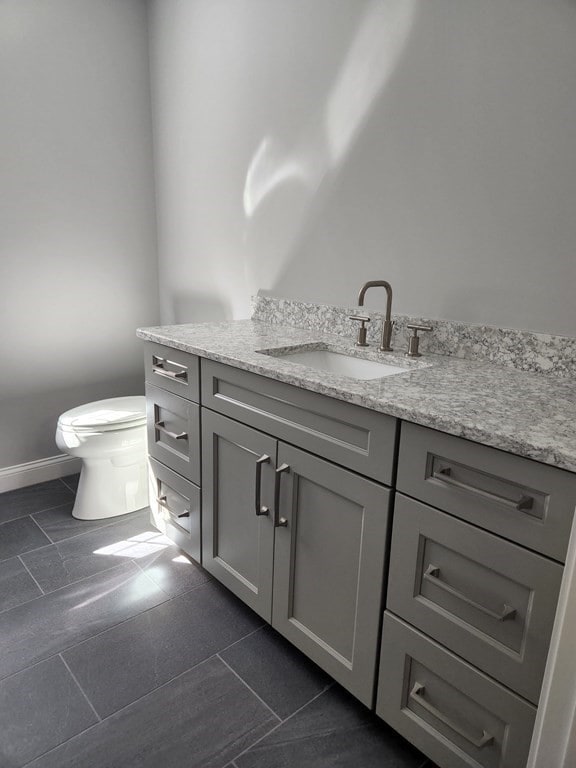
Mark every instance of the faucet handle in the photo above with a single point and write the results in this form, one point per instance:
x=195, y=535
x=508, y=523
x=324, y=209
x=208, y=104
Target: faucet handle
x=362, y=319
x=414, y=340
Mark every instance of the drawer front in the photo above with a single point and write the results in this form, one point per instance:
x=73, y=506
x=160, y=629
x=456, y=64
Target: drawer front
x=173, y=370
x=346, y=434
x=488, y=600
x=173, y=428
x=456, y=715
x=524, y=501
x=175, y=508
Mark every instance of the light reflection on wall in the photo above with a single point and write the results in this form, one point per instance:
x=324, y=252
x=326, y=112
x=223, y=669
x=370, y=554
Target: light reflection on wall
x=295, y=174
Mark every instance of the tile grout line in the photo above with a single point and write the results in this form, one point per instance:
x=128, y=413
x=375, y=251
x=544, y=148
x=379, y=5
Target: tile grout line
x=144, y=572
x=38, y=511
x=71, y=647
x=37, y=524
x=19, y=557
x=188, y=669
x=116, y=521
x=240, y=639
x=61, y=541
x=281, y=723
x=167, y=682
x=31, y=516
x=260, y=699
x=21, y=518
x=72, y=583
x=35, y=512
x=49, y=543
x=69, y=488
x=122, y=709
x=144, y=695
x=114, y=626
x=82, y=691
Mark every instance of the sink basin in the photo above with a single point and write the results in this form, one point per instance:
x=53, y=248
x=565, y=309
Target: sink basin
x=342, y=364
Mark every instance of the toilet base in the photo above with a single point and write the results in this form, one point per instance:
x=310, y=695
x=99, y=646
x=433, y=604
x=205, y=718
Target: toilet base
x=108, y=488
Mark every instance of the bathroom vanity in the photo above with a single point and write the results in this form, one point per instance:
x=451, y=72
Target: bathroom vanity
x=398, y=531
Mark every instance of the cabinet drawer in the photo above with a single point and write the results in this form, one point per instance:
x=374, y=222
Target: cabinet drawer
x=456, y=715
x=175, y=505
x=173, y=370
x=349, y=435
x=487, y=599
x=520, y=499
x=173, y=428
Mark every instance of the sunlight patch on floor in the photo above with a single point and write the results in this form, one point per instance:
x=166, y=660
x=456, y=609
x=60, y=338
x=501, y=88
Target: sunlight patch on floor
x=141, y=545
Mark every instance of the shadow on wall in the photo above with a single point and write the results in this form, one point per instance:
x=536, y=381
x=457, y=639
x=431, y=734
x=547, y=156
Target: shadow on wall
x=198, y=308
x=456, y=186
x=287, y=186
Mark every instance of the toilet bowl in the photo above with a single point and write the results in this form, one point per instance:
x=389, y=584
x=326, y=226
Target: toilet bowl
x=110, y=438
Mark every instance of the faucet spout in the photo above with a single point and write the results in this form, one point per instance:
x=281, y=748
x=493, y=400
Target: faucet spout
x=387, y=325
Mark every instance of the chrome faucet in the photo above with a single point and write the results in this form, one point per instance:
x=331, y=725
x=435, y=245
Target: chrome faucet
x=387, y=326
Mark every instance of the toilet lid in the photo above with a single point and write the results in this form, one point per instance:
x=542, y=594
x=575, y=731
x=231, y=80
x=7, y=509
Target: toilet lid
x=106, y=415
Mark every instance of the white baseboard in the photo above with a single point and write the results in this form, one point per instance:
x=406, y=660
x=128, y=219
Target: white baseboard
x=22, y=475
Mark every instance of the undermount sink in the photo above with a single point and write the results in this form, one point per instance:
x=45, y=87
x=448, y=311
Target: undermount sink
x=342, y=364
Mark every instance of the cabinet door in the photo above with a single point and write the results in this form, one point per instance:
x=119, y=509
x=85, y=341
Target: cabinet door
x=237, y=543
x=330, y=548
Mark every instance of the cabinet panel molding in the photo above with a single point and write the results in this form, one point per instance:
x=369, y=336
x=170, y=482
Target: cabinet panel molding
x=527, y=502
x=354, y=437
x=489, y=600
x=237, y=543
x=172, y=370
x=329, y=567
x=456, y=715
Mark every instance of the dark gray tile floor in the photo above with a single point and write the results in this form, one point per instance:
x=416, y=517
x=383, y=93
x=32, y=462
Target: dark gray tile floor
x=117, y=650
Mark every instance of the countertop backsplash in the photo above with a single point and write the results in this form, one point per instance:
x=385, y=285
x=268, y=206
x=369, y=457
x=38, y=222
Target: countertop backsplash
x=524, y=350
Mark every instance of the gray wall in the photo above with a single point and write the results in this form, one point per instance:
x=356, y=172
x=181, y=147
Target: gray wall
x=78, y=270
x=305, y=147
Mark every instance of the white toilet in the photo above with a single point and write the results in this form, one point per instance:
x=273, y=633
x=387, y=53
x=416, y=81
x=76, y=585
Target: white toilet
x=110, y=438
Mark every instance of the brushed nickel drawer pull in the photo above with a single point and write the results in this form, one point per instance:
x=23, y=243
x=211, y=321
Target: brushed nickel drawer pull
x=525, y=504
x=158, y=368
x=417, y=694
x=432, y=574
x=279, y=522
x=260, y=509
x=161, y=427
x=161, y=501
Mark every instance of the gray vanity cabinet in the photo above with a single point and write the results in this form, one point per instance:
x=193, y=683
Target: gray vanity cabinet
x=301, y=541
x=295, y=520
x=238, y=482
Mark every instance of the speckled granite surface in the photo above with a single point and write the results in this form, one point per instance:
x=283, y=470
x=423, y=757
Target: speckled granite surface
x=525, y=413
x=524, y=350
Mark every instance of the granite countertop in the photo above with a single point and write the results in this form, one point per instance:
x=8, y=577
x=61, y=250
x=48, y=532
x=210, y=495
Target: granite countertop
x=528, y=414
